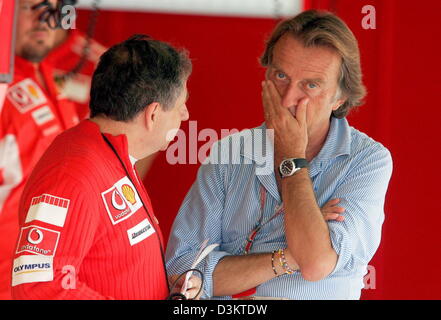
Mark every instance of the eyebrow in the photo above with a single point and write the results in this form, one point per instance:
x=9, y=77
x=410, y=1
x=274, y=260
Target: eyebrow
x=318, y=80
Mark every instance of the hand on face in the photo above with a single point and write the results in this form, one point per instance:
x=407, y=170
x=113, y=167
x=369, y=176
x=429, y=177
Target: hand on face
x=290, y=130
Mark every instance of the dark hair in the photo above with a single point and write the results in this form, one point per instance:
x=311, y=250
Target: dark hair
x=135, y=73
x=322, y=28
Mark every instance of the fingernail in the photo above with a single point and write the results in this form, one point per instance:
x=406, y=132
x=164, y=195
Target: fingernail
x=189, y=284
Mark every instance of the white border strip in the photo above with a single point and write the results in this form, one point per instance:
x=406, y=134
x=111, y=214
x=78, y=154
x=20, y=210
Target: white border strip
x=241, y=8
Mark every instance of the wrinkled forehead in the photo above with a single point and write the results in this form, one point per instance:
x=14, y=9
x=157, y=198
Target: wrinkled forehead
x=34, y=2
x=291, y=56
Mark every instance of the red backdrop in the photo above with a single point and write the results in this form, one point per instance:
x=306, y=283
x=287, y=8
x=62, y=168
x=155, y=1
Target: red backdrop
x=401, y=64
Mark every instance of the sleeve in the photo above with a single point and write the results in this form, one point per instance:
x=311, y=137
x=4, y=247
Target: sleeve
x=199, y=218
x=58, y=226
x=362, y=194
x=11, y=172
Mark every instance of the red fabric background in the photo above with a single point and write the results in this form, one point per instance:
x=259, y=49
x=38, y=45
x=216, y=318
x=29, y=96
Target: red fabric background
x=401, y=64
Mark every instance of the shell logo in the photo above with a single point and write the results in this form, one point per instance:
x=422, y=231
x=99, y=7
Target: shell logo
x=33, y=91
x=128, y=193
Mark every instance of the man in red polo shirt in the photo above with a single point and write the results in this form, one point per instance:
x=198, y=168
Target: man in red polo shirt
x=88, y=230
x=32, y=115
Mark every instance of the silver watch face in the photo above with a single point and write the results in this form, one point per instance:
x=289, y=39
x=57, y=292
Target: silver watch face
x=287, y=167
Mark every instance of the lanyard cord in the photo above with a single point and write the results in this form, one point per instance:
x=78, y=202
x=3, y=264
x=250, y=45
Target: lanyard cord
x=250, y=239
x=145, y=207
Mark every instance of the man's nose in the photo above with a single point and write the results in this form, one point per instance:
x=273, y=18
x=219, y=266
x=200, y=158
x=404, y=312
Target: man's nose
x=292, y=95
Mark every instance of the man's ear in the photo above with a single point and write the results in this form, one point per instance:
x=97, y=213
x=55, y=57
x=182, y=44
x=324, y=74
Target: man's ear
x=338, y=103
x=151, y=114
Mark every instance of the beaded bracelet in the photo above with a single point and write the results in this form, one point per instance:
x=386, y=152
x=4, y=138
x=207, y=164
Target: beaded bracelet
x=284, y=263
x=272, y=263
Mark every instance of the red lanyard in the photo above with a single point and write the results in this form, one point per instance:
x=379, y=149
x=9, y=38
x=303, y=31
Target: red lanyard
x=254, y=232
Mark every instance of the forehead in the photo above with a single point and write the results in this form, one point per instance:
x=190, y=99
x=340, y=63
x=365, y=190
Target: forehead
x=292, y=57
x=33, y=2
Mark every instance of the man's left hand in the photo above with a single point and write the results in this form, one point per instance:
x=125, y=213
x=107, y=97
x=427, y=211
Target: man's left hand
x=193, y=286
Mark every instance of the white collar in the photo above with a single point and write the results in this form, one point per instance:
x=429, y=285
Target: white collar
x=133, y=160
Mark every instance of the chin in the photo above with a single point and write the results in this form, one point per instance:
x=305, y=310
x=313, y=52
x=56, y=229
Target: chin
x=35, y=53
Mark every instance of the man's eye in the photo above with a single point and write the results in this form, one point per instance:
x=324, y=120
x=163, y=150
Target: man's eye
x=280, y=76
x=311, y=85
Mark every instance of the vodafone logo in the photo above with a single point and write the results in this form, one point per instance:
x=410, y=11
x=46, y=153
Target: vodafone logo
x=116, y=206
x=39, y=240
x=31, y=237
x=121, y=200
x=117, y=201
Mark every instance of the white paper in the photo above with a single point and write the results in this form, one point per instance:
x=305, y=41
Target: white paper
x=202, y=253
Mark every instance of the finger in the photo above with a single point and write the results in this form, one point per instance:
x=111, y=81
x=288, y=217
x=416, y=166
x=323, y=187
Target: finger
x=301, y=111
x=331, y=216
x=334, y=216
x=332, y=202
x=191, y=293
x=338, y=209
x=267, y=103
x=274, y=95
x=334, y=209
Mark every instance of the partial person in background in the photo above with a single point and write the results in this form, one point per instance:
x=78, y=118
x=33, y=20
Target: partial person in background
x=73, y=68
x=32, y=115
x=274, y=239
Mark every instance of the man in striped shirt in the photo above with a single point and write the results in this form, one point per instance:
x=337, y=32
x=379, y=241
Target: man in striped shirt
x=274, y=239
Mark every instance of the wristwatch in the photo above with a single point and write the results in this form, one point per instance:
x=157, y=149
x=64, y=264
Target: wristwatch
x=290, y=166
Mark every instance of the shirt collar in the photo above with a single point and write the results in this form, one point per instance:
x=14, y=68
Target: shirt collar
x=338, y=141
x=119, y=142
x=133, y=160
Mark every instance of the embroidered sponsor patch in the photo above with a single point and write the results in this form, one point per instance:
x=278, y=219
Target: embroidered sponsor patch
x=49, y=209
x=42, y=115
x=39, y=240
x=140, y=232
x=26, y=95
x=32, y=268
x=121, y=200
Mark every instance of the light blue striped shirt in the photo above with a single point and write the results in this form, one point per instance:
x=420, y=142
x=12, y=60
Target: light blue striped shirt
x=223, y=206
